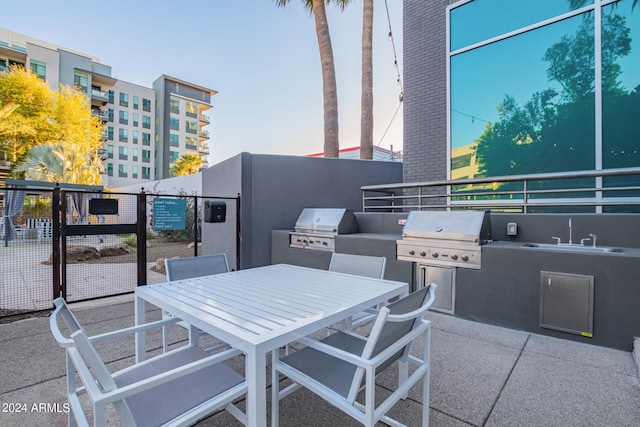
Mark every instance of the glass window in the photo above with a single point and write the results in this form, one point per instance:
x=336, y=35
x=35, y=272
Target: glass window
x=134, y=154
x=3, y=65
x=146, y=172
x=135, y=119
x=81, y=80
x=192, y=127
x=191, y=109
x=532, y=120
x=112, y=96
x=146, y=156
x=620, y=94
x=174, y=123
x=39, y=68
x=110, y=169
x=134, y=171
x=122, y=171
x=136, y=101
x=110, y=133
x=122, y=153
x=134, y=136
x=110, y=151
x=146, y=122
x=124, y=117
x=123, y=135
x=124, y=99
x=110, y=114
x=191, y=142
x=480, y=20
x=174, y=105
x=146, y=104
x=173, y=156
x=146, y=138
x=174, y=140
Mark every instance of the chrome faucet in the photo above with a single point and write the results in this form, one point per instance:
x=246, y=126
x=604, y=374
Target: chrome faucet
x=557, y=239
x=594, y=237
x=570, y=232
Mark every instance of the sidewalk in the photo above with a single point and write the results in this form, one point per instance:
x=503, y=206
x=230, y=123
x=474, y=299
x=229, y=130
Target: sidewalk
x=481, y=376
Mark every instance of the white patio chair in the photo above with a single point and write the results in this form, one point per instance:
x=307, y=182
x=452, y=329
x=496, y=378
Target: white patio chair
x=187, y=268
x=361, y=265
x=339, y=366
x=175, y=388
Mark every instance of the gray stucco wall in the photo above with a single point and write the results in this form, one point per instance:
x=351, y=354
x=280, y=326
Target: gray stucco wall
x=274, y=190
x=425, y=94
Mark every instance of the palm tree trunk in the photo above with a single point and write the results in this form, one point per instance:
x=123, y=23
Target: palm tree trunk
x=329, y=86
x=366, y=120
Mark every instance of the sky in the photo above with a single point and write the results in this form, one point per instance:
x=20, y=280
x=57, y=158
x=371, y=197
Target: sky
x=261, y=59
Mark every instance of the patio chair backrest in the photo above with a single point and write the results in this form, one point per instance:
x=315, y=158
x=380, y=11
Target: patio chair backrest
x=361, y=265
x=393, y=323
x=204, y=265
x=62, y=311
x=81, y=350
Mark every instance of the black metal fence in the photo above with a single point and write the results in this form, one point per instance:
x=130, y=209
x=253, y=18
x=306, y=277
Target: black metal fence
x=87, y=244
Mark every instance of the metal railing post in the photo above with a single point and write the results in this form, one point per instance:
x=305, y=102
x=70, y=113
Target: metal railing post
x=55, y=243
x=141, y=237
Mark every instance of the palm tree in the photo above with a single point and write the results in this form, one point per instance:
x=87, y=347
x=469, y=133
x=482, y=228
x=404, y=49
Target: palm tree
x=329, y=86
x=366, y=120
x=187, y=164
x=61, y=163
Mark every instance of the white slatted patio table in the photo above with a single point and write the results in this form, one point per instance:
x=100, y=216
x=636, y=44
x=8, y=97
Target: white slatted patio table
x=261, y=309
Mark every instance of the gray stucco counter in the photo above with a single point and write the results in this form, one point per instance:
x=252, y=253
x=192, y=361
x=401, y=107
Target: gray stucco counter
x=508, y=290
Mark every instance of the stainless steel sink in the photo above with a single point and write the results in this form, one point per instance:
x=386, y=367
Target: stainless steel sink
x=565, y=247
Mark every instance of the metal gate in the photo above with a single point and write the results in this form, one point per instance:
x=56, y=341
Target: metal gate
x=83, y=243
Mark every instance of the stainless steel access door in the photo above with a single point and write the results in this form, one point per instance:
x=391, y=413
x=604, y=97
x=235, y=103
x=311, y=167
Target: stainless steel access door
x=445, y=278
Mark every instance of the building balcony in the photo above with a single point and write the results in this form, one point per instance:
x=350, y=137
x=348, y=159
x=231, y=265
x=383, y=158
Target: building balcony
x=102, y=115
x=99, y=96
x=203, y=149
x=204, y=119
x=204, y=134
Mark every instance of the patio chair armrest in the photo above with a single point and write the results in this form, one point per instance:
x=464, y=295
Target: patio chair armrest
x=133, y=329
x=336, y=352
x=156, y=380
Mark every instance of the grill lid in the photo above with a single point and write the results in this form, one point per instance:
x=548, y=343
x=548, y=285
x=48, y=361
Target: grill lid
x=448, y=226
x=326, y=221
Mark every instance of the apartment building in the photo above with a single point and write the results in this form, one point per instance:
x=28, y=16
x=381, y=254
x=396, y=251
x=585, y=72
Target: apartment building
x=145, y=128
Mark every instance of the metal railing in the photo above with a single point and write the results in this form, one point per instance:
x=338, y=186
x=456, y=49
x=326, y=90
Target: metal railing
x=611, y=190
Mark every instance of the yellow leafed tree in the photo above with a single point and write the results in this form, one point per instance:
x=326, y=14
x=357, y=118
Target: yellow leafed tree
x=51, y=135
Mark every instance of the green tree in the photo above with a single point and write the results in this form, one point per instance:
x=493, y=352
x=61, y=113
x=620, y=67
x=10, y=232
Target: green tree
x=329, y=86
x=51, y=135
x=187, y=164
x=366, y=119
x=24, y=102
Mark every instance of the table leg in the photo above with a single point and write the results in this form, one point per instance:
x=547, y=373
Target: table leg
x=257, y=393
x=140, y=318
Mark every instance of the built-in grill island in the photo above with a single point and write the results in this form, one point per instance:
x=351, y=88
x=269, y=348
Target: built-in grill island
x=438, y=242
x=317, y=228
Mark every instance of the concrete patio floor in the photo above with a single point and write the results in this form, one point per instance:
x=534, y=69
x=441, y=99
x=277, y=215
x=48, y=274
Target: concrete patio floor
x=481, y=376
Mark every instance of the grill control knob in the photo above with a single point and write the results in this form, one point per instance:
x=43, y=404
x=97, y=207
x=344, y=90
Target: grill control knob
x=465, y=257
x=423, y=253
x=454, y=256
x=304, y=241
x=412, y=252
x=435, y=254
x=325, y=243
x=298, y=240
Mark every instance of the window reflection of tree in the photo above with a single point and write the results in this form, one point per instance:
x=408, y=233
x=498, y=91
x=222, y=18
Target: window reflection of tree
x=555, y=131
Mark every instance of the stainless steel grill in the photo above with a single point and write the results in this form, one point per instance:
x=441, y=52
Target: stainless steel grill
x=316, y=228
x=444, y=238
